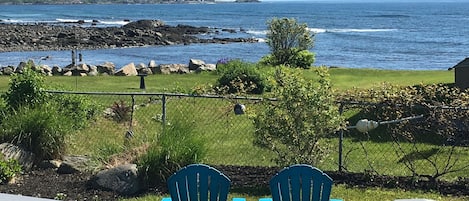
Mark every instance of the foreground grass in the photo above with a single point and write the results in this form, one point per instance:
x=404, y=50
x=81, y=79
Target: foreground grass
x=346, y=193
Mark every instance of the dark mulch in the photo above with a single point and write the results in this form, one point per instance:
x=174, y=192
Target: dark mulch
x=250, y=180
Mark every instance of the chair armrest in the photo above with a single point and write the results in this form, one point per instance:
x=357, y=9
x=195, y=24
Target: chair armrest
x=239, y=199
x=234, y=199
x=166, y=199
x=270, y=199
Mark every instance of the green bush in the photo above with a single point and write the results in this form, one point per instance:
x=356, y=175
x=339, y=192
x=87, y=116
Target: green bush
x=26, y=88
x=296, y=58
x=79, y=108
x=241, y=77
x=41, y=130
x=8, y=169
x=302, y=59
x=296, y=125
x=176, y=147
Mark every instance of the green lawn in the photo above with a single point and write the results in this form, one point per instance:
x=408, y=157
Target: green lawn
x=342, y=78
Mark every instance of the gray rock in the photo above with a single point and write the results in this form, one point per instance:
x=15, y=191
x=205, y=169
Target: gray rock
x=93, y=71
x=45, y=70
x=140, y=66
x=82, y=68
x=56, y=70
x=152, y=64
x=122, y=179
x=73, y=164
x=127, y=70
x=46, y=164
x=173, y=68
x=9, y=70
x=25, y=158
x=22, y=65
x=194, y=64
x=108, y=68
x=67, y=73
x=206, y=67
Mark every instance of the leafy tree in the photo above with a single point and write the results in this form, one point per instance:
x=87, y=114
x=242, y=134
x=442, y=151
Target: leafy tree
x=295, y=126
x=289, y=43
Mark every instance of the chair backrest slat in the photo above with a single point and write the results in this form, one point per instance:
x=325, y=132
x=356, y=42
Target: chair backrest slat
x=198, y=182
x=301, y=183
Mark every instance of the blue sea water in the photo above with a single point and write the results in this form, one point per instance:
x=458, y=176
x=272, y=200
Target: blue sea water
x=401, y=36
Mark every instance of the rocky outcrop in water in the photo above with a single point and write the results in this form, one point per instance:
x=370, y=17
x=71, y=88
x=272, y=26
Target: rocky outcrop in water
x=36, y=37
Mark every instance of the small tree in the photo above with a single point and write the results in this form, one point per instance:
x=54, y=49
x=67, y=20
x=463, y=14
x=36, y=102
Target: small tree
x=296, y=126
x=289, y=43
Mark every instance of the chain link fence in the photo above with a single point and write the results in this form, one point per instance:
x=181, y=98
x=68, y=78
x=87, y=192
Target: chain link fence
x=224, y=124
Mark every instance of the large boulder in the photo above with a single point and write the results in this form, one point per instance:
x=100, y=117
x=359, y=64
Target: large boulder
x=9, y=70
x=44, y=69
x=173, y=68
x=77, y=70
x=107, y=68
x=153, y=67
x=56, y=70
x=127, y=70
x=25, y=158
x=194, y=64
x=206, y=67
x=93, y=71
x=74, y=164
x=122, y=179
x=152, y=64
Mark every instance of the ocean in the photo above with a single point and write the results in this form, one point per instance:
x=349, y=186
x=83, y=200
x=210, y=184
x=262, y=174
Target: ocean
x=397, y=36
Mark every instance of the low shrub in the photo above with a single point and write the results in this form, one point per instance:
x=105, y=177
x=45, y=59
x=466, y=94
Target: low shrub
x=9, y=168
x=304, y=114
x=79, y=108
x=296, y=58
x=176, y=147
x=241, y=77
x=121, y=111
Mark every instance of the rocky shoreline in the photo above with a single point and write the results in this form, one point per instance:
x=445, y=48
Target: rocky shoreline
x=78, y=35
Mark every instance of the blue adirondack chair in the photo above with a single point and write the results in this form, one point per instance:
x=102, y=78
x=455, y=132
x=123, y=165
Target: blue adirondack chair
x=199, y=182
x=300, y=183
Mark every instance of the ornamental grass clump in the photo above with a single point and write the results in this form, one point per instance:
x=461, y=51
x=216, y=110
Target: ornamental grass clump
x=175, y=148
x=41, y=130
x=39, y=121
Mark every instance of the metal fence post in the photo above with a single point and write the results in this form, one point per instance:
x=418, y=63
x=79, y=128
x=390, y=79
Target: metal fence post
x=163, y=116
x=341, y=139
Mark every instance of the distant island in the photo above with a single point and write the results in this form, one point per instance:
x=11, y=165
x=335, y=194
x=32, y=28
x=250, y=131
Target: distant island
x=122, y=1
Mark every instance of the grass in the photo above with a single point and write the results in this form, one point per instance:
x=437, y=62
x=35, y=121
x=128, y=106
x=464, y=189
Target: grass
x=231, y=132
x=347, y=194
x=342, y=78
